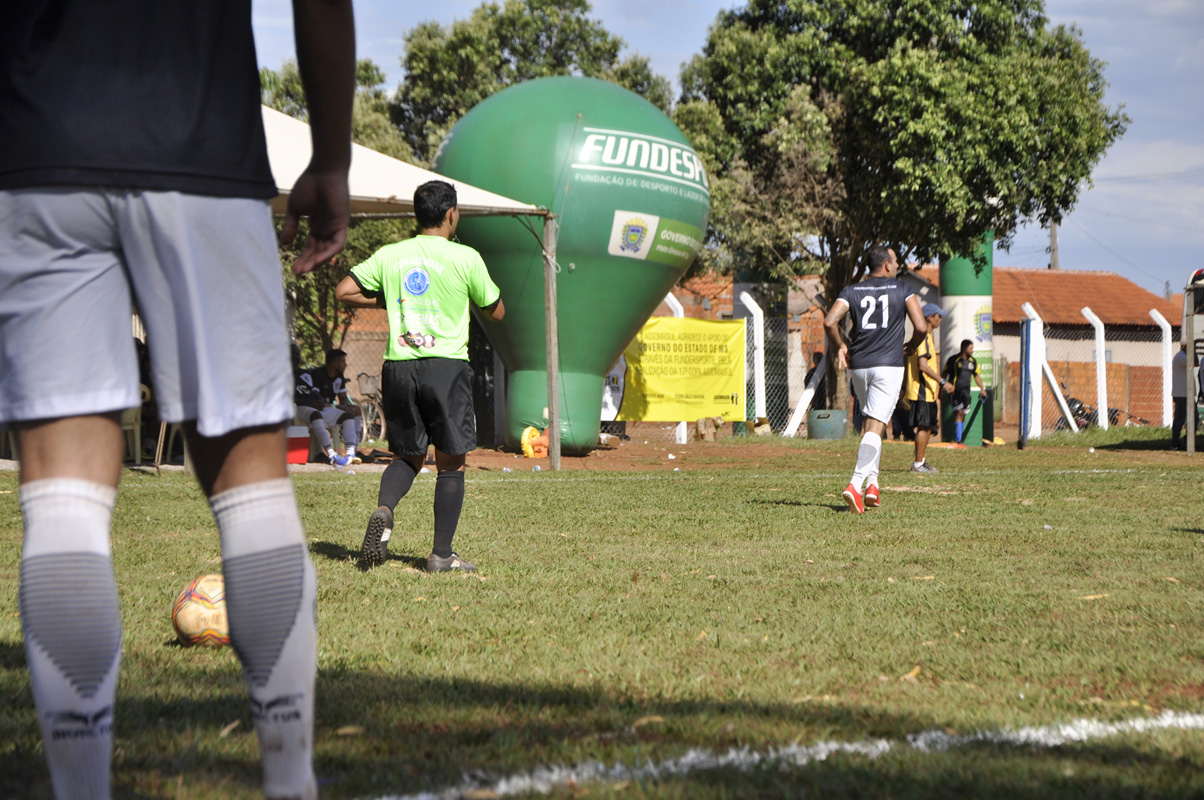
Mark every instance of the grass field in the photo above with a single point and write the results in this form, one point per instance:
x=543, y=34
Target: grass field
x=636, y=617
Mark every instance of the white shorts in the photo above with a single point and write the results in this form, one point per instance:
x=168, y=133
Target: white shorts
x=877, y=390
x=206, y=278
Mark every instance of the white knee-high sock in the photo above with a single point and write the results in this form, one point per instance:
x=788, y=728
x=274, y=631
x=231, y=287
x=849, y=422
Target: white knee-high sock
x=72, y=625
x=270, y=598
x=868, y=454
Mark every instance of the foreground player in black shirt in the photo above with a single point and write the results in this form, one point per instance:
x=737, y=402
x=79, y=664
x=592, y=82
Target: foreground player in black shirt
x=133, y=165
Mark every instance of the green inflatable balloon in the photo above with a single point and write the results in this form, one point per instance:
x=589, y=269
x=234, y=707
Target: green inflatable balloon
x=632, y=200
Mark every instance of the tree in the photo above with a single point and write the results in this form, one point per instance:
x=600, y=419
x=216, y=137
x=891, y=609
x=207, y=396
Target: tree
x=449, y=69
x=922, y=124
x=938, y=120
x=321, y=322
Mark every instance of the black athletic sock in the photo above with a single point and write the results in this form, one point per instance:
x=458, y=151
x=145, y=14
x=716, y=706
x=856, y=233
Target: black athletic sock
x=397, y=479
x=449, y=499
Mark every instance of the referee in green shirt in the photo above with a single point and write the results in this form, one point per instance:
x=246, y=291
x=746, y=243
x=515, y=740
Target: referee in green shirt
x=425, y=284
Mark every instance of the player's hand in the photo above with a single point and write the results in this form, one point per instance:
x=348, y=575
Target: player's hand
x=842, y=357
x=324, y=197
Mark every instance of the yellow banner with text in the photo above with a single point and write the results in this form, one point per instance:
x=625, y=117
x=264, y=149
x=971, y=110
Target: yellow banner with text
x=684, y=369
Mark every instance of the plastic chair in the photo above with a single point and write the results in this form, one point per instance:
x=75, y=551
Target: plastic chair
x=131, y=425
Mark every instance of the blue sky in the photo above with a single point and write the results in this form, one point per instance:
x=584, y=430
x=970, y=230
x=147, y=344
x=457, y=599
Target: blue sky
x=1143, y=219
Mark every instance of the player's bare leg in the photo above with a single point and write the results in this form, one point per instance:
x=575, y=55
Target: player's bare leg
x=264, y=555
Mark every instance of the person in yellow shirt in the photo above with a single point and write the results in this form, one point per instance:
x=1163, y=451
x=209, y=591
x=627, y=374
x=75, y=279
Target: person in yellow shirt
x=922, y=385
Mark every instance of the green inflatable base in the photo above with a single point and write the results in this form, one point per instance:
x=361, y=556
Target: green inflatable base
x=580, y=408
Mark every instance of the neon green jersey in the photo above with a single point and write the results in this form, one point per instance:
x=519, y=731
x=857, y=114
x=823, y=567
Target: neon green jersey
x=427, y=282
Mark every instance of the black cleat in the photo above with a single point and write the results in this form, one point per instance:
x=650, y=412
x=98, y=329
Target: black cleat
x=375, y=548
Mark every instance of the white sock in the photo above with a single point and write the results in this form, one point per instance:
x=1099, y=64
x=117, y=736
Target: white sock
x=318, y=426
x=270, y=597
x=351, y=434
x=72, y=624
x=917, y=464
x=867, y=460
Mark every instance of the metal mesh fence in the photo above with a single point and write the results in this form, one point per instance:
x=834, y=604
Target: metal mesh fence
x=1133, y=383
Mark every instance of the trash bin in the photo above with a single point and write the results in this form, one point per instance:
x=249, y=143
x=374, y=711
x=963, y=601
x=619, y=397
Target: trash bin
x=827, y=423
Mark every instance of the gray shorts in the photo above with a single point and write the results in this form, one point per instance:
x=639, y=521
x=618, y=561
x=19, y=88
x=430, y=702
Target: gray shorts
x=205, y=275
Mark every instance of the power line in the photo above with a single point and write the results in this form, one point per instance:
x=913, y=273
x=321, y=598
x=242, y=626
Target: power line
x=1139, y=219
x=1153, y=176
x=1091, y=236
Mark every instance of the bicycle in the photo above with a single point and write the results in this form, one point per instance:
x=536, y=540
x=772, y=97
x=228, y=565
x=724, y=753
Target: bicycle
x=371, y=407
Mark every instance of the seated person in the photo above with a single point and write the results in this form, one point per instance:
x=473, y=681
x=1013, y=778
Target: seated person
x=321, y=398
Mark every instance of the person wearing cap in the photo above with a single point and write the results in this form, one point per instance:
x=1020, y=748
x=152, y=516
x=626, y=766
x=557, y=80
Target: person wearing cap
x=922, y=385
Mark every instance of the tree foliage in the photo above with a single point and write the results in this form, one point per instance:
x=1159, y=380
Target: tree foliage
x=451, y=68
x=833, y=125
x=320, y=321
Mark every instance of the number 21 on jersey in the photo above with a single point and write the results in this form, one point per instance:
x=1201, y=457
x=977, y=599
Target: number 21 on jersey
x=872, y=304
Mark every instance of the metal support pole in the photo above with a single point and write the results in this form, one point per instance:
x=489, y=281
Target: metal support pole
x=553, y=340
x=1189, y=335
x=1167, y=342
x=1101, y=369
x=679, y=311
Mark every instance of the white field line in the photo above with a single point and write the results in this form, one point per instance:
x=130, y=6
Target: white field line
x=543, y=780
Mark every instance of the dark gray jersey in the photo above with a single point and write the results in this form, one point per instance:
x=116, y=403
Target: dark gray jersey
x=877, y=308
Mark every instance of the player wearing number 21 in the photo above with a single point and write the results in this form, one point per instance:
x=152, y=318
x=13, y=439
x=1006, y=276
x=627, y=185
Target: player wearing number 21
x=874, y=358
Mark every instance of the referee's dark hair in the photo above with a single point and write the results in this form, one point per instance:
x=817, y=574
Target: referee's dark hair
x=334, y=355
x=878, y=255
x=432, y=201
x=964, y=343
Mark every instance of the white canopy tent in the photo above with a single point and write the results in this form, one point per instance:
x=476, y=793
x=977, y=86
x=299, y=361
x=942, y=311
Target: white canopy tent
x=380, y=185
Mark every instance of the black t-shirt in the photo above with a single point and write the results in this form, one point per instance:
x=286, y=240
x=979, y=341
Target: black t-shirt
x=142, y=94
x=961, y=370
x=315, y=381
x=878, y=308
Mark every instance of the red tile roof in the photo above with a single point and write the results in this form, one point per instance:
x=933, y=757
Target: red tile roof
x=1059, y=295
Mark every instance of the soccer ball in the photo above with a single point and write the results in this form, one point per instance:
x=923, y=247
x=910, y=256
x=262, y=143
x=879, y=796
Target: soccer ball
x=199, y=613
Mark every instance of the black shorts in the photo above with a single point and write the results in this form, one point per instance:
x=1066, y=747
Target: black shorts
x=429, y=401
x=960, y=399
x=923, y=415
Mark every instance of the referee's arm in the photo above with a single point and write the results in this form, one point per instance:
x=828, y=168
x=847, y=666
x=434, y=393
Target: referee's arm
x=350, y=293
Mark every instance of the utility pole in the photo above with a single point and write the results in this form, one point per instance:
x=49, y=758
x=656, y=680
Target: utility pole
x=1053, y=245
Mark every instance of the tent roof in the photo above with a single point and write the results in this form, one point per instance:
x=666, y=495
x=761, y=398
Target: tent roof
x=380, y=185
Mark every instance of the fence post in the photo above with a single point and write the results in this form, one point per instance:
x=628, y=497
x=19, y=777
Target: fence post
x=1034, y=358
x=679, y=311
x=1167, y=406
x=758, y=354
x=1101, y=369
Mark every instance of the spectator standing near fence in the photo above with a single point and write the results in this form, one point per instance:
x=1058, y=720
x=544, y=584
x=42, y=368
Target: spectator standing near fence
x=133, y=164
x=874, y=357
x=922, y=386
x=1179, y=397
x=961, y=369
x=425, y=284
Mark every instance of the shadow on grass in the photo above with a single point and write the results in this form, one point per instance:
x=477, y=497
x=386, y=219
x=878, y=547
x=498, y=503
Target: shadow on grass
x=1148, y=445
x=387, y=732
x=333, y=551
